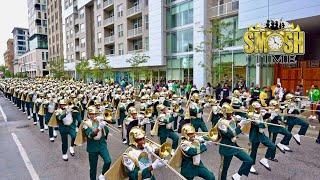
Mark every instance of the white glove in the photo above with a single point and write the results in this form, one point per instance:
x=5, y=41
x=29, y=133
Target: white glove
x=243, y=122
x=175, y=114
x=238, y=117
x=242, y=108
x=158, y=163
x=290, y=111
x=148, y=148
x=201, y=139
x=102, y=124
x=208, y=143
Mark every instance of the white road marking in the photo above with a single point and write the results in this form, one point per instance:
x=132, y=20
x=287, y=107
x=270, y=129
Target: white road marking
x=3, y=114
x=25, y=158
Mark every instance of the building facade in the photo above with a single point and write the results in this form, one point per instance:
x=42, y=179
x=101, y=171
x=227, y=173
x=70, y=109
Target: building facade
x=55, y=35
x=21, y=46
x=38, y=42
x=9, y=55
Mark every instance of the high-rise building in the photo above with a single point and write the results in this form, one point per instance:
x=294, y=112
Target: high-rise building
x=9, y=55
x=21, y=46
x=34, y=62
x=55, y=35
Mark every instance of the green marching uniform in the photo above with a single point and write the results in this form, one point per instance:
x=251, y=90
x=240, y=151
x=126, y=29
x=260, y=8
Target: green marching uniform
x=197, y=122
x=97, y=133
x=257, y=136
x=191, y=165
x=67, y=126
x=229, y=130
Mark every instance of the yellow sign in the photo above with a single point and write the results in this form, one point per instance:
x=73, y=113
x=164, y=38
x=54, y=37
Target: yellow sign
x=284, y=38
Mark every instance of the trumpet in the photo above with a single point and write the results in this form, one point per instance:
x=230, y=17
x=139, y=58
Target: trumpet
x=107, y=115
x=148, y=112
x=176, y=108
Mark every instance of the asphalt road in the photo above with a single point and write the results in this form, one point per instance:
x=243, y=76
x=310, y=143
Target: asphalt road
x=45, y=157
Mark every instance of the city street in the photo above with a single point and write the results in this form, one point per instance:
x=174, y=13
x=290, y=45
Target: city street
x=26, y=153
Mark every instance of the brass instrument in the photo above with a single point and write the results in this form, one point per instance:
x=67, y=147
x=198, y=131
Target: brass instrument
x=176, y=108
x=106, y=103
x=107, y=115
x=148, y=112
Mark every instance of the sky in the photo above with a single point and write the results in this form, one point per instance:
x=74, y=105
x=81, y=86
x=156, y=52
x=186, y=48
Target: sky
x=13, y=13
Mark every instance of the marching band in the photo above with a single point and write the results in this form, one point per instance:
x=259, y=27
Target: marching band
x=85, y=112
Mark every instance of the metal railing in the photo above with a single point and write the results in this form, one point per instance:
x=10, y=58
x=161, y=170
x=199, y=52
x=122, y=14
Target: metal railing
x=224, y=9
x=109, y=39
x=108, y=21
x=134, y=10
x=135, y=51
x=107, y=3
x=135, y=32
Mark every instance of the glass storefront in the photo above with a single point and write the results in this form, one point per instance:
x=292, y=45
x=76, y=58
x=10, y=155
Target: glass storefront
x=180, y=68
x=180, y=41
x=180, y=14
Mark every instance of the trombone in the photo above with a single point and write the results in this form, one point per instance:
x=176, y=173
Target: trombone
x=164, y=151
x=107, y=115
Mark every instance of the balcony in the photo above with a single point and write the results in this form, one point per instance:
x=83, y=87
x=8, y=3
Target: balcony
x=109, y=21
x=135, y=51
x=226, y=9
x=109, y=40
x=134, y=10
x=107, y=3
x=135, y=32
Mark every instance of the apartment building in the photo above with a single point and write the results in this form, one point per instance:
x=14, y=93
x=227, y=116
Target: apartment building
x=55, y=35
x=38, y=43
x=8, y=56
x=117, y=29
x=21, y=46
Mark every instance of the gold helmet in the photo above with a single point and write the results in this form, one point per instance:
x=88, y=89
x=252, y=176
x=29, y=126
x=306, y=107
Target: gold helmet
x=93, y=110
x=196, y=96
x=63, y=102
x=134, y=134
x=227, y=108
x=236, y=93
x=273, y=103
x=161, y=107
x=289, y=96
x=123, y=97
x=132, y=110
x=256, y=105
x=187, y=129
x=97, y=102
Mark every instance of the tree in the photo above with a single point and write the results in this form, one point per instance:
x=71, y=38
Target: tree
x=82, y=69
x=56, y=68
x=220, y=35
x=100, y=65
x=6, y=72
x=135, y=62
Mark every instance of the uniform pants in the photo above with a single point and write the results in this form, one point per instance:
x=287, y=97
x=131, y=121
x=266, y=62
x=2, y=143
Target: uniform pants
x=41, y=121
x=297, y=121
x=64, y=139
x=244, y=169
x=271, y=151
x=204, y=173
x=28, y=107
x=199, y=123
x=93, y=161
x=173, y=136
x=23, y=106
x=274, y=131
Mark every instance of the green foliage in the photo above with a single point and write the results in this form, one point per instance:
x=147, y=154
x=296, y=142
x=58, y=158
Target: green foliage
x=82, y=69
x=101, y=65
x=6, y=72
x=135, y=63
x=21, y=75
x=56, y=68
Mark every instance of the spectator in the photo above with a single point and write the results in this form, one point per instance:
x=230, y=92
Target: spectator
x=218, y=91
x=123, y=85
x=170, y=84
x=175, y=87
x=278, y=92
x=314, y=95
x=256, y=93
x=188, y=89
x=225, y=91
x=209, y=89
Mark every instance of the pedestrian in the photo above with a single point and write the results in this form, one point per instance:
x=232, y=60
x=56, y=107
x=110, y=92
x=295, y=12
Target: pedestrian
x=218, y=91
x=314, y=95
x=209, y=89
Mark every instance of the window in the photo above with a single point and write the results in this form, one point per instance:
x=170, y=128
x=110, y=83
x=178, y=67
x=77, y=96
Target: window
x=99, y=20
x=42, y=56
x=81, y=12
x=99, y=51
x=146, y=44
x=83, y=42
x=180, y=15
x=137, y=44
x=72, y=57
x=68, y=47
x=120, y=47
x=99, y=35
x=146, y=21
x=120, y=30
x=180, y=41
x=67, y=34
x=98, y=4
x=82, y=28
x=71, y=33
x=120, y=10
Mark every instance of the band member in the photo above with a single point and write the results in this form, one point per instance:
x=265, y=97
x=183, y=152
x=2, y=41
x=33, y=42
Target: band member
x=177, y=111
x=28, y=102
x=292, y=109
x=130, y=121
x=96, y=131
x=67, y=125
x=34, y=107
x=257, y=136
x=50, y=108
x=215, y=113
x=137, y=159
x=275, y=130
x=196, y=112
x=237, y=103
x=121, y=111
x=164, y=127
x=228, y=129
x=192, y=148
x=40, y=110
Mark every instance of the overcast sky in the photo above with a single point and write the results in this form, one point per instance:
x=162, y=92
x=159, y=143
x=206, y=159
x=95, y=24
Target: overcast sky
x=13, y=13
